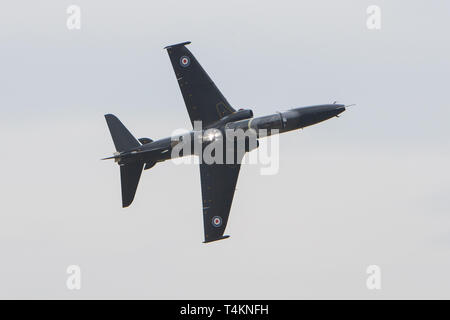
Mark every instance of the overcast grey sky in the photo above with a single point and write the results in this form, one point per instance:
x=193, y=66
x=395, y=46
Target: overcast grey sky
x=371, y=187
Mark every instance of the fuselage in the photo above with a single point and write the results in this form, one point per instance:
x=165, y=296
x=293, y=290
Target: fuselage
x=242, y=121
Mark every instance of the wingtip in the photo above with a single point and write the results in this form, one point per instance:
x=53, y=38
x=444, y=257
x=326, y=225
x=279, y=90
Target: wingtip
x=127, y=202
x=216, y=239
x=177, y=45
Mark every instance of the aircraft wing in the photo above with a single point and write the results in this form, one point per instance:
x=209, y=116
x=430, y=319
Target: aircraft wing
x=218, y=185
x=204, y=102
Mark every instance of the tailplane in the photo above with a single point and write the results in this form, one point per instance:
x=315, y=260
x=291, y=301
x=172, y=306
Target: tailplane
x=130, y=172
x=129, y=176
x=123, y=139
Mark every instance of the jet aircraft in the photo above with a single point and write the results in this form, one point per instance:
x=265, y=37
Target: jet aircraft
x=206, y=105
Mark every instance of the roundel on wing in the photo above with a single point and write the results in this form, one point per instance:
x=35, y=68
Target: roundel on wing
x=216, y=221
x=185, y=61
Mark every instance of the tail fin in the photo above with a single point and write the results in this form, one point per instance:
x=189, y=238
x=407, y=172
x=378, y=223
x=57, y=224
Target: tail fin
x=123, y=139
x=130, y=175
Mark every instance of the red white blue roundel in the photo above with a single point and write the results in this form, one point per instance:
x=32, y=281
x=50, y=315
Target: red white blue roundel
x=185, y=61
x=216, y=221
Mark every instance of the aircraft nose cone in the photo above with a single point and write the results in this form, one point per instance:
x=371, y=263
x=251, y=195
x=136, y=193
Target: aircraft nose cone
x=340, y=108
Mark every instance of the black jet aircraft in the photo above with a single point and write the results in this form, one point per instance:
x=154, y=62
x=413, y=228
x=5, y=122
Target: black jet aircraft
x=205, y=103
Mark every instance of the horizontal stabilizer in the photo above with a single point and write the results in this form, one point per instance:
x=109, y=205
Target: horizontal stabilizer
x=122, y=138
x=129, y=176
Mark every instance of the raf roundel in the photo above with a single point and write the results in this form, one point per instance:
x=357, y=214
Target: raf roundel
x=185, y=61
x=216, y=221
